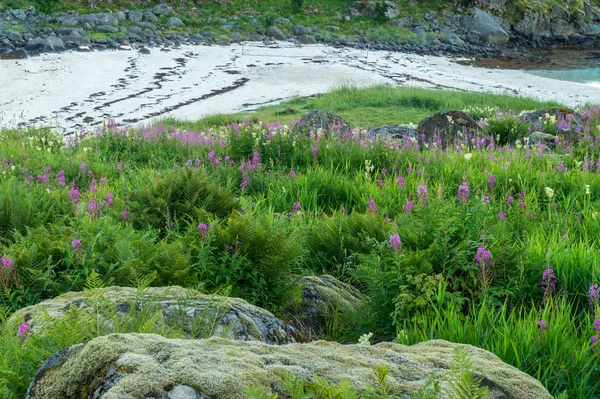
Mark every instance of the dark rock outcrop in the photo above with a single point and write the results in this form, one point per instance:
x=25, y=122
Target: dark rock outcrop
x=328, y=122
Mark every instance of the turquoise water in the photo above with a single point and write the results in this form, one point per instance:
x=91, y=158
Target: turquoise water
x=588, y=75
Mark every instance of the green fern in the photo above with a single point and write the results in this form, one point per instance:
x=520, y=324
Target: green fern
x=258, y=393
x=463, y=384
x=93, y=281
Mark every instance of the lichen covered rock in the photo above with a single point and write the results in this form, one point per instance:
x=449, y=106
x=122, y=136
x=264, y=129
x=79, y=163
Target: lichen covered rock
x=141, y=366
x=324, y=297
x=327, y=122
x=195, y=313
x=447, y=125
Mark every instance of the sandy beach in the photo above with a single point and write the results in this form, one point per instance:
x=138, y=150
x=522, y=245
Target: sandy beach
x=77, y=91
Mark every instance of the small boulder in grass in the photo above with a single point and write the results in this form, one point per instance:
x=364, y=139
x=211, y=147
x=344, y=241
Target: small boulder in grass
x=327, y=122
x=569, y=123
x=448, y=125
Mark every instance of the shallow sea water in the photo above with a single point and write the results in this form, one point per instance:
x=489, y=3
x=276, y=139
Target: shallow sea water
x=590, y=76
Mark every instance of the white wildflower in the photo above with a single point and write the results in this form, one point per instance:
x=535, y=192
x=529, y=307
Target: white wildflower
x=549, y=192
x=468, y=156
x=588, y=189
x=365, y=339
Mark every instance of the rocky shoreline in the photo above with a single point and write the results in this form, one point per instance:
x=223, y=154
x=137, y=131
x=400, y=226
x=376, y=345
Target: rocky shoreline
x=472, y=33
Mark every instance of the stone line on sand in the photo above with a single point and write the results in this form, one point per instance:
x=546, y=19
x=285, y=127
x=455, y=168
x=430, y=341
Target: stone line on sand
x=79, y=91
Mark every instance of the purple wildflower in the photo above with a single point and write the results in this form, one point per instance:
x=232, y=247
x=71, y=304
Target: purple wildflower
x=60, y=178
x=542, y=324
x=422, y=195
x=492, y=180
x=296, y=207
x=463, y=193
x=409, y=206
x=593, y=339
x=371, y=206
x=24, y=330
x=76, y=244
x=594, y=293
x=509, y=200
x=561, y=167
x=548, y=280
x=292, y=174
x=501, y=216
x=7, y=263
x=400, y=181
x=483, y=258
x=395, y=242
x=125, y=214
x=74, y=195
x=109, y=200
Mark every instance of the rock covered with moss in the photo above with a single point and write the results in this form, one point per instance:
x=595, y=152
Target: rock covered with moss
x=326, y=122
x=324, y=297
x=141, y=366
x=196, y=313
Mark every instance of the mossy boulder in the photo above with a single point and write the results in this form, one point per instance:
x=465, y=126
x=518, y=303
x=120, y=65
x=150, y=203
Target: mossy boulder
x=142, y=366
x=448, y=125
x=196, y=313
x=326, y=122
x=323, y=298
x=569, y=123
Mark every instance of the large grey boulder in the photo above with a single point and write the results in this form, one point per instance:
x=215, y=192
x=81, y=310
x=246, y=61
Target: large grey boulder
x=151, y=366
x=394, y=132
x=590, y=29
x=198, y=315
x=101, y=19
x=107, y=29
x=447, y=125
x=326, y=122
x=47, y=45
x=135, y=16
x=75, y=40
x=275, y=33
x=174, y=22
x=149, y=17
x=534, y=25
x=162, y=9
x=480, y=21
x=324, y=297
x=368, y=8
x=71, y=21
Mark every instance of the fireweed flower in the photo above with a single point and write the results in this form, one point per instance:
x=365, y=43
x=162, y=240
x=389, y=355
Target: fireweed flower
x=371, y=206
x=501, y=216
x=292, y=174
x=23, y=331
x=483, y=258
x=74, y=195
x=7, y=263
x=83, y=167
x=594, y=294
x=169, y=224
x=463, y=193
x=296, y=207
x=597, y=325
x=109, y=200
x=542, y=324
x=60, y=178
x=395, y=242
x=120, y=166
x=409, y=206
x=422, y=195
x=76, y=244
x=593, y=339
x=485, y=199
x=509, y=200
x=125, y=214
x=548, y=282
x=400, y=181
x=561, y=167
x=492, y=180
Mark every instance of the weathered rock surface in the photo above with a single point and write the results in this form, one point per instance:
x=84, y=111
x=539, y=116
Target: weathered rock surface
x=230, y=317
x=480, y=21
x=569, y=122
x=447, y=125
x=394, y=132
x=275, y=33
x=328, y=122
x=322, y=297
x=368, y=8
x=142, y=366
x=536, y=138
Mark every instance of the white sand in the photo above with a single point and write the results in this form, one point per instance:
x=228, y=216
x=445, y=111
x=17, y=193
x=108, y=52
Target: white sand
x=78, y=91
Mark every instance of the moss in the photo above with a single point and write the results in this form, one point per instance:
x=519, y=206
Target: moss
x=220, y=368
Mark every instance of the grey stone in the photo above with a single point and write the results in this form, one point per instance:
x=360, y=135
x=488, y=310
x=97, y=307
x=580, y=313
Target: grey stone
x=148, y=366
x=149, y=17
x=327, y=122
x=136, y=30
x=275, y=33
x=144, y=50
x=162, y=9
x=449, y=37
x=282, y=21
x=27, y=36
x=197, y=314
x=75, y=40
x=394, y=132
x=70, y=31
x=447, y=125
x=562, y=28
x=534, y=25
x=14, y=36
x=419, y=30
x=184, y=392
x=121, y=16
x=480, y=21
x=103, y=18
x=107, y=29
x=332, y=28
x=1, y=25
x=146, y=25
x=39, y=45
x=403, y=22
x=175, y=22
x=537, y=138
x=590, y=29
x=300, y=30
x=56, y=43
x=367, y=8
x=307, y=40
x=14, y=54
x=18, y=14
x=135, y=16
x=72, y=21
